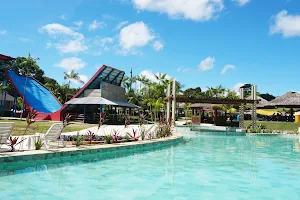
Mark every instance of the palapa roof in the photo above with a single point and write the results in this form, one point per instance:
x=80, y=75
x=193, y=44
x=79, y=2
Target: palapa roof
x=289, y=99
x=262, y=102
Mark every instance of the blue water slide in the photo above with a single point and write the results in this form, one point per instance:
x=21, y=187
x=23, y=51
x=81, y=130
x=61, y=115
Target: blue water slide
x=35, y=94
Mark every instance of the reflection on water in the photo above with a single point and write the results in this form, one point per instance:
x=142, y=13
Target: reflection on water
x=203, y=166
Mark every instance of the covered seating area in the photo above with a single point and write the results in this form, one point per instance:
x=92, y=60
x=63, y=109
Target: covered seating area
x=102, y=98
x=212, y=115
x=287, y=103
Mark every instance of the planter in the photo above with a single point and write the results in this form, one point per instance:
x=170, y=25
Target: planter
x=84, y=142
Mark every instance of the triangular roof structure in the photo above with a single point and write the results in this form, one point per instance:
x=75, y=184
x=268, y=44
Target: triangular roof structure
x=288, y=100
x=4, y=57
x=262, y=102
x=109, y=74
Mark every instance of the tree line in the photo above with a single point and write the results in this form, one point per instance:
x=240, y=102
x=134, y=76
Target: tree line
x=27, y=66
x=140, y=90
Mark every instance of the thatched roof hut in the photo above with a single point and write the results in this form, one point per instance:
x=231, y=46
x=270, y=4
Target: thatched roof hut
x=288, y=100
x=262, y=102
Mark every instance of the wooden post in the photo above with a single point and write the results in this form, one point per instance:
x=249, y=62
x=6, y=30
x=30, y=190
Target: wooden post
x=253, y=95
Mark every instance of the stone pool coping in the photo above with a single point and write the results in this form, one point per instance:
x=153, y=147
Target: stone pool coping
x=32, y=155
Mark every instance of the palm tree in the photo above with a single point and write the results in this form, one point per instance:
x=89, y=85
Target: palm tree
x=72, y=76
x=217, y=92
x=26, y=65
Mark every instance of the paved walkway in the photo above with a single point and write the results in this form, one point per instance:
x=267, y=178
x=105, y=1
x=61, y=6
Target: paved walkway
x=28, y=143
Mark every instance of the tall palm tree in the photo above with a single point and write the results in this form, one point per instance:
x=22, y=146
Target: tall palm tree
x=72, y=76
x=26, y=65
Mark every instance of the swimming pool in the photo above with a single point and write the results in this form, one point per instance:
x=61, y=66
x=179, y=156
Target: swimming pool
x=201, y=167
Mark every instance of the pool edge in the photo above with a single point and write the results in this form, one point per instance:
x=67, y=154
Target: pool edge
x=12, y=157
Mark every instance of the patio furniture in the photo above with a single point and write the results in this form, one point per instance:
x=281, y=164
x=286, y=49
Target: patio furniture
x=53, y=135
x=5, y=131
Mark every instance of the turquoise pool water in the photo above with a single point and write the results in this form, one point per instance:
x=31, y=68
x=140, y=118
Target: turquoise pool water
x=201, y=167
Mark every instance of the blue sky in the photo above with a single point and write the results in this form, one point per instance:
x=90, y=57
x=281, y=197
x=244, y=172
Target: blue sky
x=199, y=42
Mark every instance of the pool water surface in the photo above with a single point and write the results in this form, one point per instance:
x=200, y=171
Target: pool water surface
x=201, y=167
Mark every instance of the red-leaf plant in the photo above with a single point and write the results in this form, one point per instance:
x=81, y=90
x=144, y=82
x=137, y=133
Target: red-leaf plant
x=13, y=142
x=150, y=136
x=90, y=136
x=115, y=136
x=134, y=135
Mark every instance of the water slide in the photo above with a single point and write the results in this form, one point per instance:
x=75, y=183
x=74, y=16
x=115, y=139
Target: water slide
x=36, y=95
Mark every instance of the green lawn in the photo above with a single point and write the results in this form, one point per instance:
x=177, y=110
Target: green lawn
x=281, y=126
x=42, y=127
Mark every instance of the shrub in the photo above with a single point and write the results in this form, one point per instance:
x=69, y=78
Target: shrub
x=115, y=136
x=38, y=143
x=134, y=135
x=108, y=139
x=163, y=130
x=127, y=138
x=90, y=136
x=78, y=140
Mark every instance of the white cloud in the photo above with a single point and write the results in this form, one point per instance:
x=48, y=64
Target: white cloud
x=237, y=86
x=72, y=46
x=48, y=45
x=183, y=69
x=287, y=25
x=56, y=30
x=157, y=45
x=65, y=39
x=78, y=23
x=121, y=24
x=63, y=17
x=24, y=39
x=72, y=63
x=197, y=10
x=95, y=24
x=106, y=40
x=226, y=68
x=206, y=64
x=241, y=2
x=106, y=16
x=82, y=77
x=135, y=35
x=3, y=32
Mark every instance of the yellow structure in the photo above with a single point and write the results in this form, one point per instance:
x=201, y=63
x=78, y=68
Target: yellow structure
x=297, y=117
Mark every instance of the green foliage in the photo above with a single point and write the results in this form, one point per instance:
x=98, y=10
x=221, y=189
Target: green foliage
x=280, y=126
x=267, y=96
x=108, y=139
x=260, y=128
x=38, y=143
x=127, y=139
x=164, y=129
x=78, y=140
